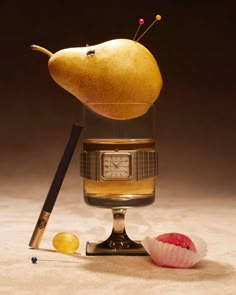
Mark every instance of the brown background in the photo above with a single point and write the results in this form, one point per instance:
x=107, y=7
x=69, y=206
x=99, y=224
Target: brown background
x=194, y=46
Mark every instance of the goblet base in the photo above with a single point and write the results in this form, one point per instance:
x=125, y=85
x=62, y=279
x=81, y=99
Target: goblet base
x=96, y=248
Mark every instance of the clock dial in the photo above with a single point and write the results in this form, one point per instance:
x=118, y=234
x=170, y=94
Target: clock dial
x=116, y=166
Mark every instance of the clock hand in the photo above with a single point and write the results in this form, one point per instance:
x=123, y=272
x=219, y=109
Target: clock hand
x=115, y=164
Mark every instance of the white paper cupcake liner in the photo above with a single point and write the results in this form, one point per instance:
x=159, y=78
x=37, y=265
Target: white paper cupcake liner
x=164, y=254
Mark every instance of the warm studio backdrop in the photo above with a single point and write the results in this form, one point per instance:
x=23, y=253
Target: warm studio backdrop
x=194, y=45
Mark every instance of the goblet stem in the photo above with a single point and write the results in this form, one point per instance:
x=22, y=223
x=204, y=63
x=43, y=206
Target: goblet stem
x=119, y=220
x=118, y=242
x=119, y=239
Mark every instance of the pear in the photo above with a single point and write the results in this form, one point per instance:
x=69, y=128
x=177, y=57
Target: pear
x=118, y=79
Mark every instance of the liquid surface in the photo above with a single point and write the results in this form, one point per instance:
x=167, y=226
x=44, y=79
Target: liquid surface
x=121, y=144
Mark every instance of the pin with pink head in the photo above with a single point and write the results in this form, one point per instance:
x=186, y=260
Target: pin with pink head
x=141, y=22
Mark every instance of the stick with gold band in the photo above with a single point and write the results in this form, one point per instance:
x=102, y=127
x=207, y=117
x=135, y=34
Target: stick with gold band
x=55, y=187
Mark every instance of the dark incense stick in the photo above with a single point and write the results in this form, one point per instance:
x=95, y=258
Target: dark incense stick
x=55, y=186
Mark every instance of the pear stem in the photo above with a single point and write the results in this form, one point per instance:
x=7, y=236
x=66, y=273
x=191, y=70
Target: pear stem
x=42, y=49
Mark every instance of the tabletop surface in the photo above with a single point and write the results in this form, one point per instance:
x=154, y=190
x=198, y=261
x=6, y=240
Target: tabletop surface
x=209, y=216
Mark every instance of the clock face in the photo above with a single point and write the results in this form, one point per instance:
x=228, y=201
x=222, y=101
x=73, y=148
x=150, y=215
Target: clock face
x=116, y=166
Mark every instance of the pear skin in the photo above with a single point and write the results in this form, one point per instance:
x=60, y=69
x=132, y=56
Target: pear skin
x=118, y=79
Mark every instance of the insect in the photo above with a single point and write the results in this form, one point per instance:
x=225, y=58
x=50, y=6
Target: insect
x=90, y=52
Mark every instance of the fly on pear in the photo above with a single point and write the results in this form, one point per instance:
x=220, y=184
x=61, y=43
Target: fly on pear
x=91, y=52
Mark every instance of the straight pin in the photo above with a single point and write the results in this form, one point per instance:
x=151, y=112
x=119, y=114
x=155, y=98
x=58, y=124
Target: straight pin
x=158, y=18
x=141, y=22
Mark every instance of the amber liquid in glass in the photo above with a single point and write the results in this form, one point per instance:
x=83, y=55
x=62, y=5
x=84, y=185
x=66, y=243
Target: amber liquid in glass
x=119, y=193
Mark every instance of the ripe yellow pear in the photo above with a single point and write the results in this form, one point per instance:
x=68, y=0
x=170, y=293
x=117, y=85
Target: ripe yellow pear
x=118, y=79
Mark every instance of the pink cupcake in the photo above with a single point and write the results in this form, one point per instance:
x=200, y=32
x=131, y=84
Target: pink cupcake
x=175, y=250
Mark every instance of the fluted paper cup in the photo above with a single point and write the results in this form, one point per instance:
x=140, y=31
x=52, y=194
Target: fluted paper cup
x=168, y=255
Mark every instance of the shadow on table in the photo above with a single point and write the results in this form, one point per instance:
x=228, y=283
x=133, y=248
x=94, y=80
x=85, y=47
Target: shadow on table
x=142, y=267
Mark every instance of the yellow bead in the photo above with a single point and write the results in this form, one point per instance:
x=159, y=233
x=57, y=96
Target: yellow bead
x=158, y=17
x=65, y=242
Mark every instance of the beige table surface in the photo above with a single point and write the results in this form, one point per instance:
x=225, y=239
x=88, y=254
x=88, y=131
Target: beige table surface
x=176, y=209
